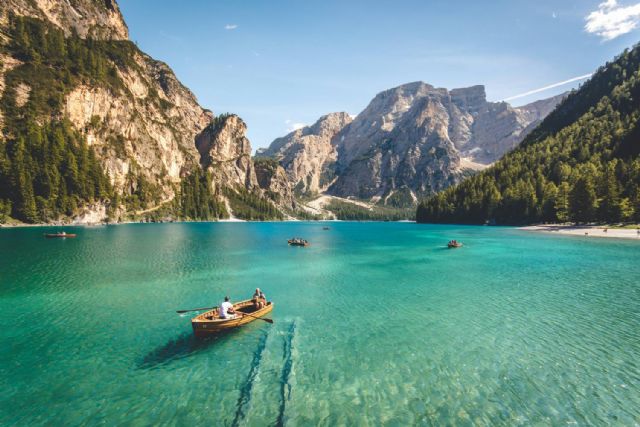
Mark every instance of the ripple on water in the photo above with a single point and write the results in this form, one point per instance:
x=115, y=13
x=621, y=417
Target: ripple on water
x=374, y=323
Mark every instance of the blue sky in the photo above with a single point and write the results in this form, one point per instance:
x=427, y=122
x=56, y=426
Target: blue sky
x=279, y=64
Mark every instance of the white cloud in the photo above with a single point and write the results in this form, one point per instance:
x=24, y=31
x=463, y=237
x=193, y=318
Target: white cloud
x=291, y=126
x=612, y=20
x=230, y=26
x=551, y=86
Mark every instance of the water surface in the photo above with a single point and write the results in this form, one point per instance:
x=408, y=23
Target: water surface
x=375, y=323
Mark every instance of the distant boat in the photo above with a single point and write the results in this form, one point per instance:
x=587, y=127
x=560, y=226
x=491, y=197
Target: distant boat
x=62, y=234
x=454, y=244
x=297, y=242
x=209, y=323
x=325, y=228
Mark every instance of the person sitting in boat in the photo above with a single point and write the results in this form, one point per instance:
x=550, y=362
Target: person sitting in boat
x=259, y=300
x=226, y=309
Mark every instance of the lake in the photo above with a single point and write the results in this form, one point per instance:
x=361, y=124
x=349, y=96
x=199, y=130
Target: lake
x=375, y=323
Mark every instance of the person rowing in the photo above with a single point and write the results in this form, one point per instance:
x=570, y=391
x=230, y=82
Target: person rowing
x=226, y=310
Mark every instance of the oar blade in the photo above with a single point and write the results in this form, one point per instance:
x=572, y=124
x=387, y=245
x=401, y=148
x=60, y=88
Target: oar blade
x=195, y=309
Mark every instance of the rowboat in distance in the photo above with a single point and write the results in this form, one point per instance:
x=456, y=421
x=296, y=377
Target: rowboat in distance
x=454, y=244
x=296, y=241
x=210, y=323
x=61, y=234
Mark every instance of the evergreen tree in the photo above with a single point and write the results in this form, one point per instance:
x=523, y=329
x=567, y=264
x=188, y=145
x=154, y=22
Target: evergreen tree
x=610, y=209
x=561, y=203
x=582, y=200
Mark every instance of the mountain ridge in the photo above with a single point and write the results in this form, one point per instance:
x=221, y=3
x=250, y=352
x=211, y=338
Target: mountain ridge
x=411, y=140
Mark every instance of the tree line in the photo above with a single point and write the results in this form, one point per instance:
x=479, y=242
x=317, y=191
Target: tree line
x=351, y=212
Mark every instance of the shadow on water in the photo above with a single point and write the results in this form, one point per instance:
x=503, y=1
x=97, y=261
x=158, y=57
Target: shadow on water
x=183, y=346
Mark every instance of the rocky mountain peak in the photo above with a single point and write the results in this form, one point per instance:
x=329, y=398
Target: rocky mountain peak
x=326, y=125
x=469, y=99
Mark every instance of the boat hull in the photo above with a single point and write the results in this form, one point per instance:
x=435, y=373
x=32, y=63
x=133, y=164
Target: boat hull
x=207, y=324
x=59, y=236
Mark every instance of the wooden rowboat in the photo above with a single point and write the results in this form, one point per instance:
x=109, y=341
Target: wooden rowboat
x=62, y=235
x=210, y=323
x=451, y=245
x=296, y=242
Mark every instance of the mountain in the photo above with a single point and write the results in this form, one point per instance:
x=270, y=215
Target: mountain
x=309, y=154
x=92, y=127
x=410, y=141
x=580, y=164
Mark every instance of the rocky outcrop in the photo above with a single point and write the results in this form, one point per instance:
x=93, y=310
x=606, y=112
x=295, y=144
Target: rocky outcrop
x=309, y=154
x=225, y=150
x=410, y=141
x=498, y=128
x=99, y=19
x=273, y=180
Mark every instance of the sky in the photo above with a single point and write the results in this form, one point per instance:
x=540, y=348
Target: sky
x=282, y=64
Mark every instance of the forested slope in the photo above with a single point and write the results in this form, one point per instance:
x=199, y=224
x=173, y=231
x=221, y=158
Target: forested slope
x=581, y=164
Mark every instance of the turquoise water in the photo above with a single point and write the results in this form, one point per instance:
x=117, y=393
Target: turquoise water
x=375, y=323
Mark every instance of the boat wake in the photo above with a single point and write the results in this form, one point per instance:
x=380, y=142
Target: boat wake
x=245, y=391
x=285, y=384
x=268, y=387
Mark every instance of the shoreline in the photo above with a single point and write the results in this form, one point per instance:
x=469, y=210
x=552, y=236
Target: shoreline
x=585, y=231
x=234, y=221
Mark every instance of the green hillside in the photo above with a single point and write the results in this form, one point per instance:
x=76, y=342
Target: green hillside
x=581, y=164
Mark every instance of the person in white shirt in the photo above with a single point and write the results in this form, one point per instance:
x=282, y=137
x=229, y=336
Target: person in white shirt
x=226, y=309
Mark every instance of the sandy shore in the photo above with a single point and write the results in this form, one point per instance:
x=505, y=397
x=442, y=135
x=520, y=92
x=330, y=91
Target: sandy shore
x=586, y=230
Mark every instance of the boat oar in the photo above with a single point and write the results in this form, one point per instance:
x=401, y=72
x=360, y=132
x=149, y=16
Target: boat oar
x=195, y=309
x=256, y=317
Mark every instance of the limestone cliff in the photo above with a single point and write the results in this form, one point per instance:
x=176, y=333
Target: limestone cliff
x=273, y=180
x=226, y=151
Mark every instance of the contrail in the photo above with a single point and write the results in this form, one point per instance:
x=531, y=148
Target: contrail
x=542, y=89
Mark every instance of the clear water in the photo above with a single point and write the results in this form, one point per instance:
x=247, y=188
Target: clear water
x=375, y=323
